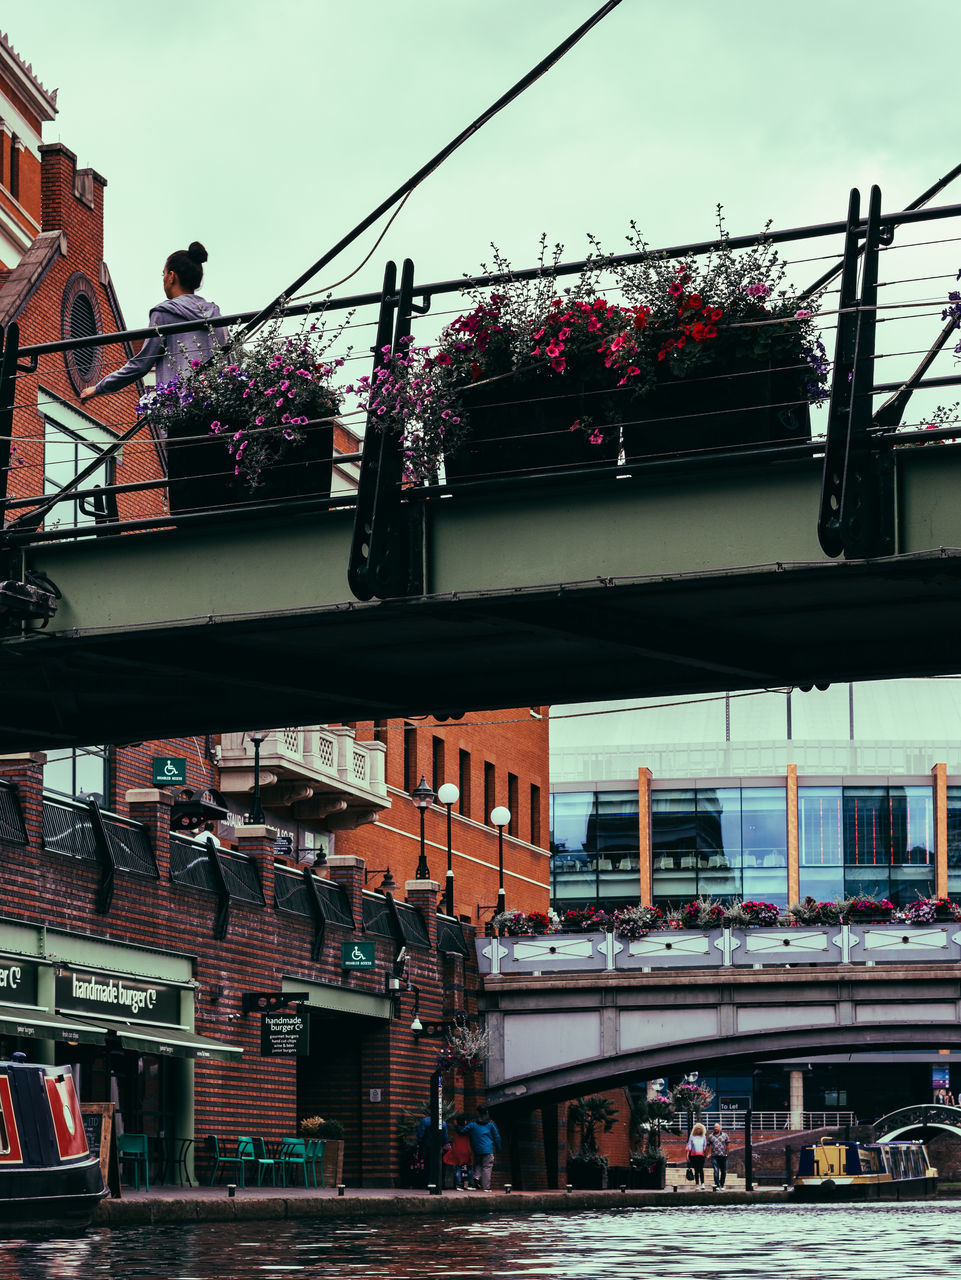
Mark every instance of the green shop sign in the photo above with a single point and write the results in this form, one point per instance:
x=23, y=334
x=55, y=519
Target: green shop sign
x=357, y=955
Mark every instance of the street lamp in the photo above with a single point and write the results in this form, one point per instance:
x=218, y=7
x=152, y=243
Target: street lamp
x=257, y=813
x=448, y=795
x=423, y=798
x=500, y=817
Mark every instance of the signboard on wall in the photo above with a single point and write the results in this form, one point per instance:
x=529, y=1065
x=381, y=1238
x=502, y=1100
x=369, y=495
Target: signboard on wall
x=18, y=981
x=115, y=995
x=284, y=1034
x=169, y=771
x=357, y=955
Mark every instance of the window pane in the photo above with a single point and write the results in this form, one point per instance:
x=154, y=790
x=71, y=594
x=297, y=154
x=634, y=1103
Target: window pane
x=819, y=827
x=573, y=815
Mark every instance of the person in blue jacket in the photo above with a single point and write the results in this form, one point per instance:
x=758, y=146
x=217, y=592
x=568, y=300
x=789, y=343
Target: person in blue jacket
x=484, y=1140
x=178, y=354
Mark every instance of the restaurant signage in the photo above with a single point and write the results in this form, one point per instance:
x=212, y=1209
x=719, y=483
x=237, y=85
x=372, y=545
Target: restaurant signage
x=284, y=1034
x=117, y=996
x=357, y=955
x=18, y=982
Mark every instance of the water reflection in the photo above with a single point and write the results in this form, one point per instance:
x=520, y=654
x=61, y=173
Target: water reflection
x=870, y=1242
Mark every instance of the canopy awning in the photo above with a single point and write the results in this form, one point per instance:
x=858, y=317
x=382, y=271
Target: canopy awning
x=169, y=1042
x=40, y=1024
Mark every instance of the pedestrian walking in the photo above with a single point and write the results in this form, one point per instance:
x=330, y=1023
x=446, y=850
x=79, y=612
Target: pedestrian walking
x=718, y=1142
x=175, y=357
x=696, y=1151
x=484, y=1141
x=458, y=1155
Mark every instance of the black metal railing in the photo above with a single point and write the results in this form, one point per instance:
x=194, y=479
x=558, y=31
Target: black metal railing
x=12, y=827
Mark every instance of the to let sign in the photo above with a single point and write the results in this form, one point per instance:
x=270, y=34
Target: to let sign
x=284, y=1034
x=357, y=955
x=169, y=770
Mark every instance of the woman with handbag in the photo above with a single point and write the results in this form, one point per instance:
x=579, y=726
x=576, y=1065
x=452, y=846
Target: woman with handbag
x=696, y=1151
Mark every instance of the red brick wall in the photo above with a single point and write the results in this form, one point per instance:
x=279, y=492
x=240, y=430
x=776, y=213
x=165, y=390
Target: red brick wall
x=514, y=743
x=351, y=1056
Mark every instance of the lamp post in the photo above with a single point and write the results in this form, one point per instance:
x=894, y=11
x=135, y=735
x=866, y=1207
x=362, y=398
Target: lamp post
x=448, y=795
x=256, y=812
x=500, y=817
x=423, y=798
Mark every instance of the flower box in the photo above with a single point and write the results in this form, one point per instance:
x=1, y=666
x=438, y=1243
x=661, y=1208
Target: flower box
x=523, y=424
x=719, y=408
x=585, y=1175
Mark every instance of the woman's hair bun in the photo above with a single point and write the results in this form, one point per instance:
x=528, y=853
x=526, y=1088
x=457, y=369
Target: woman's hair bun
x=197, y=252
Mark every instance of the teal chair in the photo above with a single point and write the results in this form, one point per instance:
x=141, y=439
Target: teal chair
x=315, y=1156
x=293, y=1153
x=264, y=1162
x=132, y=1151
x=222, y=1160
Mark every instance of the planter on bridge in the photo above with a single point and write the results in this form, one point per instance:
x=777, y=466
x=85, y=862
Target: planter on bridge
x=524, y=424
x=897, y=943
x=672, y=949
x=811, y=944
x=548, y=953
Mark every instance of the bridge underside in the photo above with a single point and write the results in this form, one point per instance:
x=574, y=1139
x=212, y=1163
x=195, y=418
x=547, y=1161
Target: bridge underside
x=629, y=588
x=711, y=1055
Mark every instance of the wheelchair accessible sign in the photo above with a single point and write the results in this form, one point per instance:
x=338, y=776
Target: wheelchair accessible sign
x=357, y=955
x=168, y=770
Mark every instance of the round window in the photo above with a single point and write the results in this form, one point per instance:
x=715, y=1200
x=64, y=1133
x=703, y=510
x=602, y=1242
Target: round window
x=80, y=318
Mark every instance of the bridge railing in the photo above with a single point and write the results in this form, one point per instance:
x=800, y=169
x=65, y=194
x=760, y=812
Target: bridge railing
x=733, y=1119
x=846, y=944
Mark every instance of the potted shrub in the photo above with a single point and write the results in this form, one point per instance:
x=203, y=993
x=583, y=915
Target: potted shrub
x=865, y=910
x=586, y=1167
x=749, y=915
x=253, y=422
x=647, y=1169
x=519, y=924
x=332, y=1133
x=632, y=923
x=584, y=919
x=811, y=911
x=702, y=913
x=927, y=910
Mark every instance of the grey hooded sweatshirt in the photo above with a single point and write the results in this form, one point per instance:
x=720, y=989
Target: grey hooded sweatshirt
x=171, y=354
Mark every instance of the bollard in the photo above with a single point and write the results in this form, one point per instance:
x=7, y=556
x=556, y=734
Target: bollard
x=433, y=1189
x=623, y=1186
x=674, y=1189
x=231, y=1189
x=341, y=1187
x=507, y=1187
x=569, y=1188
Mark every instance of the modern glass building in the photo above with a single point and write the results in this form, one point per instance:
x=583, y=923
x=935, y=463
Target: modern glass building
x=667, y=802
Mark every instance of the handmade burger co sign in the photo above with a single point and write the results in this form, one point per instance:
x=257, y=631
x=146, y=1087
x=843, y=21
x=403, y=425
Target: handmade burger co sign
x=117, y=996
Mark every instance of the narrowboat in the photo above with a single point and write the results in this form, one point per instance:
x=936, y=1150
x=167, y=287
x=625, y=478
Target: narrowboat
x=834, y=1170
x=48, y=1178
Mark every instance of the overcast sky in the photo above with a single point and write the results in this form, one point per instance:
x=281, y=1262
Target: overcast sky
x=267, y=130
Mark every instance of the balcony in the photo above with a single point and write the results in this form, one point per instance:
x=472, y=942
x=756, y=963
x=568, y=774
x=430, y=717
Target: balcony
x=313, y=774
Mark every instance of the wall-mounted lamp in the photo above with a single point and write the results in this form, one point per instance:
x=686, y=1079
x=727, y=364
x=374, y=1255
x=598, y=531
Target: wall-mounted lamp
x=416, y=1025
x=387, y=885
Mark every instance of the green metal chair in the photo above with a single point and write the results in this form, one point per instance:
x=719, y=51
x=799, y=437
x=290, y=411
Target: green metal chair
x=293, y=1152
x=315, y=1156
x=132, y=1150
x=221, y=1159
x=265, y=1162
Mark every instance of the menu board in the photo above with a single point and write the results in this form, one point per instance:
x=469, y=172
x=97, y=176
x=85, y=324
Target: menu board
x=98, y=1126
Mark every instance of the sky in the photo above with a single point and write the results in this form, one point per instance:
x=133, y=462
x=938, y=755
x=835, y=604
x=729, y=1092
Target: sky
x=268, y=131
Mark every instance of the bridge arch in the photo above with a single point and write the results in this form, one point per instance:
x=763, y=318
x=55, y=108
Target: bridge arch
x=554, y=1038
x=909, y=1119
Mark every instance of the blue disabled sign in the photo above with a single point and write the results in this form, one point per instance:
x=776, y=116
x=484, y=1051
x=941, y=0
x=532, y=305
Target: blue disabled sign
x=357, y=955
x=169, y=770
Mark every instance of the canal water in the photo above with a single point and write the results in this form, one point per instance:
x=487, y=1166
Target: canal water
x=737, y=1242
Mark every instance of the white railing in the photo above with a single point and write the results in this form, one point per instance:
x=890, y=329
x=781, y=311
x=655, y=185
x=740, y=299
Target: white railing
x=318, y=753
x=732, y=1119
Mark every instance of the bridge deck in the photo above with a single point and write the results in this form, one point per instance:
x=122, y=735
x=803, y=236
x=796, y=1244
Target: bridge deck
x=662, y=580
